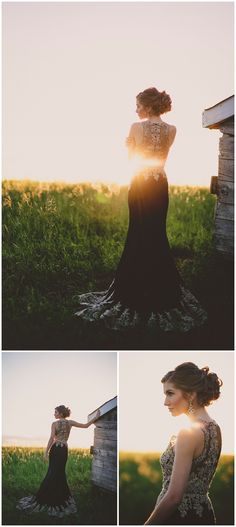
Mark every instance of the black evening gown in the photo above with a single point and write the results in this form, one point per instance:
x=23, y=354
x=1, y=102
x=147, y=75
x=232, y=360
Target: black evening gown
x=147, y=289
x=53, y=496
x=195, y=507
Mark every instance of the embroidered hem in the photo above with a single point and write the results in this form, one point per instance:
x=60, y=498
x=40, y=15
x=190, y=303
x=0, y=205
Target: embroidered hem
x=184, y=317
x=30, y=504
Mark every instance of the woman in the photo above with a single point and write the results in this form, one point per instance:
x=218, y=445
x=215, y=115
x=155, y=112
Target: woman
x=147, y=288
x=191, y=458
x=54, y=495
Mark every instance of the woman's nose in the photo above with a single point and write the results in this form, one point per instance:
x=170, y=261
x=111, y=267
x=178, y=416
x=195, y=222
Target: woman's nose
x=166, y=402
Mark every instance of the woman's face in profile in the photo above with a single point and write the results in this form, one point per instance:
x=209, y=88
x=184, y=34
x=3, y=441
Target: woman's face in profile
x=141, y=110
x=56, y=414
x=175, y=401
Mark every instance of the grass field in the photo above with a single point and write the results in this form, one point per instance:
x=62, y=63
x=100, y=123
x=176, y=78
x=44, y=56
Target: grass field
x=140, y=484
x=23, y=469
x=61, y=240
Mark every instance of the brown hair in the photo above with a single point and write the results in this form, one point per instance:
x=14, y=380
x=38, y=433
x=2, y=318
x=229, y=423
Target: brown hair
x=158, y=101
x=189, y=378
x=63, y=410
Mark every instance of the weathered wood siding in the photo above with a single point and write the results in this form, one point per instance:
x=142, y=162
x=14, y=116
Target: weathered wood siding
x=224, y=210
x=104, y=465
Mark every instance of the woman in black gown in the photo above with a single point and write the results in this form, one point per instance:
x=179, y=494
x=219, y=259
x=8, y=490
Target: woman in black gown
x=190, y=460
x=54, y=496
x=147, y=289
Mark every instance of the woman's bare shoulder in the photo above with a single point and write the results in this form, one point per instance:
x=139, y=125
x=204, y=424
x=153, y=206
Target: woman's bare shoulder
x=190, y=434
x=135, y=127
x=171, y=132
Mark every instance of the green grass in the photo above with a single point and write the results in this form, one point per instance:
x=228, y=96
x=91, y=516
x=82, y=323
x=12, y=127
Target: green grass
x=61, y=240
x=141, y=481
x=23, y=469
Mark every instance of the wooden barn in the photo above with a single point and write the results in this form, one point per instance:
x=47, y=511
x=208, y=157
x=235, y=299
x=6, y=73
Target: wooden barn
x=221, y=117
x=104, y=449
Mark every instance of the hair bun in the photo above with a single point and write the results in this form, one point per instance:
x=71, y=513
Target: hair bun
x=205, y=370
x=63, y=410
x=189, y=378
x=159, y=102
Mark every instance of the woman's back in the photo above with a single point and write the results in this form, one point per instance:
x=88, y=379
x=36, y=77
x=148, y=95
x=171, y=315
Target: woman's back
x=62, y=431
x=153, y=139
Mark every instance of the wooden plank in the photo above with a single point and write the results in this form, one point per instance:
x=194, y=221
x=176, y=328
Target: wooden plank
x=105, y=461
x=225, y=229
x=226, y=249
x=107, y=469
x=226, y=168
x=99, y=433
x=104, y=408
x=109, y=464
x=104, y=480
x=100, y=477
x=219, y=112
x=228, y=127
x=226, y=147
x=225, y=191
x=108, y=444
x=108, y=425
x=98, y=474
x=224, y=211
x=104, y=453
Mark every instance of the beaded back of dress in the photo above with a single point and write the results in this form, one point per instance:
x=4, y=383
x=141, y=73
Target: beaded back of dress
x=155, y=143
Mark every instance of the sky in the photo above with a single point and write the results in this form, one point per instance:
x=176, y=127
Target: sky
x=71, y=73
x=145, y=424
x=34, y=383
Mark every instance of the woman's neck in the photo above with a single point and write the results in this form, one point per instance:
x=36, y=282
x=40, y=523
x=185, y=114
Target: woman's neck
x=199, y=413
x=155, y=119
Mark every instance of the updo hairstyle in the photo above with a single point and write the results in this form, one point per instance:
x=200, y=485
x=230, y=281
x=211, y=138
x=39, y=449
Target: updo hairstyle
x=189, y=378
x=63, y=410
x=158, y=101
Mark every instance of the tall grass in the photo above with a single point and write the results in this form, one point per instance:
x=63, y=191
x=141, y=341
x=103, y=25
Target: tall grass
x=23, y=469
x=61, y=240
x=141, y=481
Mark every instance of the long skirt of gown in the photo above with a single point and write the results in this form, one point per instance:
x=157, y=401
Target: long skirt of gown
x=147, y=288
x=53, y=496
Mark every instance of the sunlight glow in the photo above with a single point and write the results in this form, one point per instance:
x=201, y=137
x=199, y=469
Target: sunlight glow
x=69, y=97
x=35, y=383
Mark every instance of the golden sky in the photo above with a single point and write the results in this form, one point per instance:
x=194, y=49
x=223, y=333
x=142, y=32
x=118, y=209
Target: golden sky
x=34, y=383
x=72, y=70
x=145, y=424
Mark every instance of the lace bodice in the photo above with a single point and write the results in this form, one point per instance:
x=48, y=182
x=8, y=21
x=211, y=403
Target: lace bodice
x=155, y=143
x=62, y=431
x=202, y=470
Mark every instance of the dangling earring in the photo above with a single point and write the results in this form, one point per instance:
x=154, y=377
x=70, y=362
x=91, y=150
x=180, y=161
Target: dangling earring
x=190, y=407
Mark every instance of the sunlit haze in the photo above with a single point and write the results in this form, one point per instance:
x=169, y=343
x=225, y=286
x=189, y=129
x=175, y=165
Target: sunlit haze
x=71, y=73
x=145, y=424
x=35, y=383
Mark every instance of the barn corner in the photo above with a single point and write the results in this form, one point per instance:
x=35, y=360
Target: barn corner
x=221, y=117
x=104, y=449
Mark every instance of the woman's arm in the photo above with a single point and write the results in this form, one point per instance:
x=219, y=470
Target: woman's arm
x=172, y=134
x=51, y=440
x=184, y=451
x=134, y=138
x=85, y=425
